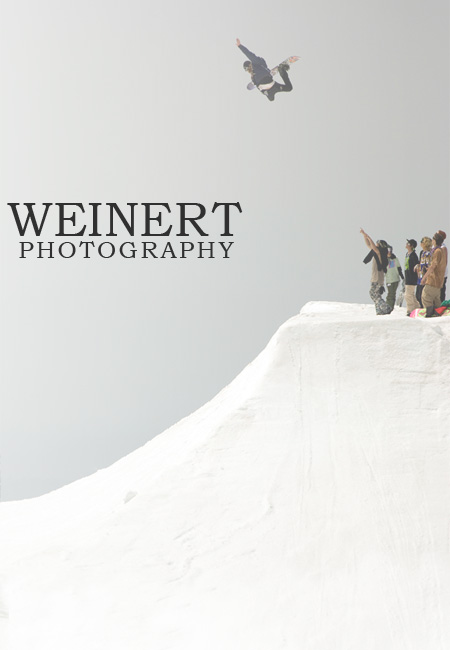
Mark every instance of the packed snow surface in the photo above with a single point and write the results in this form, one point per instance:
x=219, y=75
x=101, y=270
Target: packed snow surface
x=306, y=506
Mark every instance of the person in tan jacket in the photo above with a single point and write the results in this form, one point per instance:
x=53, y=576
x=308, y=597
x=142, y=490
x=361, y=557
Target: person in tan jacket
x=433, y=280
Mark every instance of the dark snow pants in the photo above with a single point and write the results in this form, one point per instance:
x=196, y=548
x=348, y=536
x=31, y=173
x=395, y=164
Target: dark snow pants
x=392, y=290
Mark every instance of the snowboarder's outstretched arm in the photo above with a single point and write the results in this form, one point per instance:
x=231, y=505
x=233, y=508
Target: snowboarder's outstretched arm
x=256, y=60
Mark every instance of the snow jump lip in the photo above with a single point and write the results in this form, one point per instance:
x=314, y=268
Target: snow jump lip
x=314, y=487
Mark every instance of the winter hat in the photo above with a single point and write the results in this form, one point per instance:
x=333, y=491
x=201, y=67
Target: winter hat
x=412, y=242
x=442, y=233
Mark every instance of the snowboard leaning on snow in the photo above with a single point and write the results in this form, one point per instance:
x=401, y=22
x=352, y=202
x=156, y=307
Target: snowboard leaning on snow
x=401, y=295
x=273, y=72
x=427, y=312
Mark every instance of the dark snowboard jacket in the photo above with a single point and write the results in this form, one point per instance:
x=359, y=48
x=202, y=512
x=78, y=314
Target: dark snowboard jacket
x=411, y=260
x=381, y=266
x=261, y=73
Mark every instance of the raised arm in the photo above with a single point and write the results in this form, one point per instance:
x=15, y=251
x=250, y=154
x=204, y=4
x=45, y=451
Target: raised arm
x=369, y=242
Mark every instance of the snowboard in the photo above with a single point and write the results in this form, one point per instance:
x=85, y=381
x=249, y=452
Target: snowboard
x=400, y=296
x=443, y=310
x=273, y=72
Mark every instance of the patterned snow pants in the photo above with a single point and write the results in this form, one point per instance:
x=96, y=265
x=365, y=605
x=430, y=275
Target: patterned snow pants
x=381, y=306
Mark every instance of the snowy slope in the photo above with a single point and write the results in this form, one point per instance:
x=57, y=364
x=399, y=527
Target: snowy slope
x=306, y=506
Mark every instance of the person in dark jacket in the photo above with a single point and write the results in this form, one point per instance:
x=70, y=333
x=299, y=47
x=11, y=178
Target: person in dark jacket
x=411, y=260
x=261, y=77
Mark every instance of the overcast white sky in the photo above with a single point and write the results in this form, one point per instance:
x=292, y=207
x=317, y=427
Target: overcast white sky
x=146, y=101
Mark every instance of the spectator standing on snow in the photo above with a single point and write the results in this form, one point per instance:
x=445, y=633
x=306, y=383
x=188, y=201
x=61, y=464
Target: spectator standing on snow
x=393, y=274
x=378, y=255
x=422, y=267
x=411, y=261
x=445, y=249
x=433, y=279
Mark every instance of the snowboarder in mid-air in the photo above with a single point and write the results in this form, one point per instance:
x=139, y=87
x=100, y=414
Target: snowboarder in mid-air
x=262, y=77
